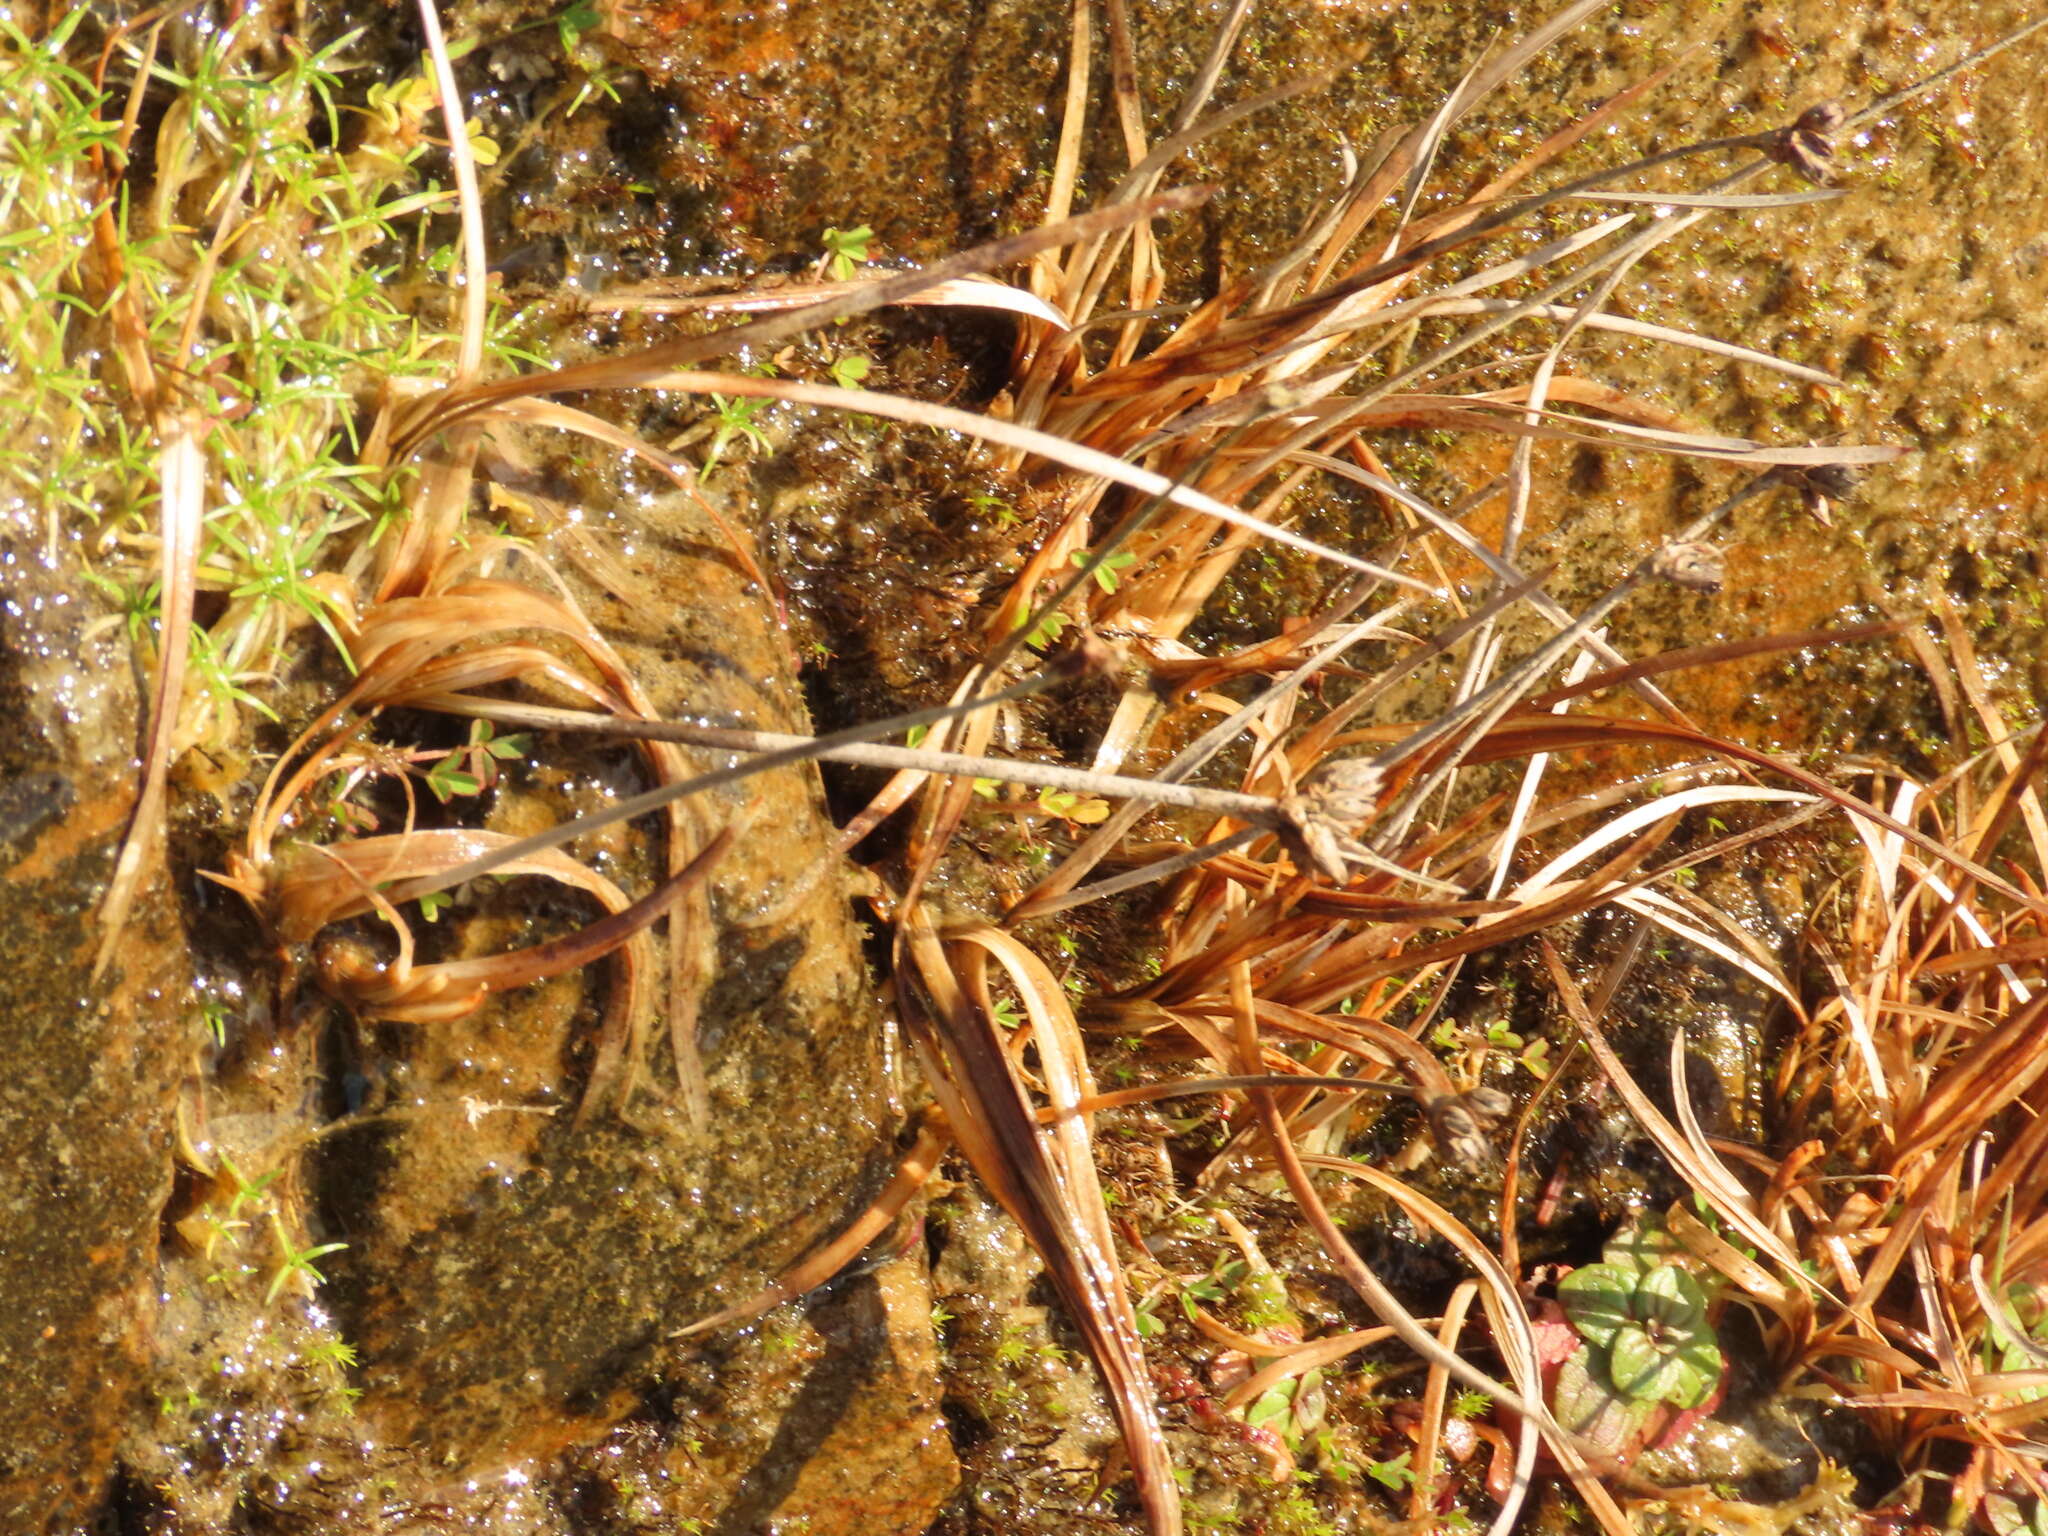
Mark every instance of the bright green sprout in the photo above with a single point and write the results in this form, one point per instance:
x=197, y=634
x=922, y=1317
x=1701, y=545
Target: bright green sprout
x=845, y=248
x=447, y=780
x=580, y=18
x=247, y=1191
x=1149, y=1324
x=295, y=1261
x=1046, y=631
x=1471, y=1405
x=1103, y=570
x=335, y=1354
x=994, y=507
x=213, y=1013
x=1395, y=1472
x=735, y=422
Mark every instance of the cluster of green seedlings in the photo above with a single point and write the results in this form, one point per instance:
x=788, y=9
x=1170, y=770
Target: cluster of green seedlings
x=1294, y=1412
x=736, y=422
x=1531, y=1052
x=1641, y=1347
x=449, y=774
x=278, y=269
x=218, y=1231
x=292, y=325
x=245, y=1257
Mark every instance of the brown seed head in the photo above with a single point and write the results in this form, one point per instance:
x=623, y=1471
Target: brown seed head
x=1333, y=800
x=1808, y=146
x=1459, y=1124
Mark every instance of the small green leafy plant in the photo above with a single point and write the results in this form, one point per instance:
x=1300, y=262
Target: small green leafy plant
x=1105, y=569
x=1647, y=1324
x=849, y=370
x=1639, y=1351
x=845, y=249
x=734, y=421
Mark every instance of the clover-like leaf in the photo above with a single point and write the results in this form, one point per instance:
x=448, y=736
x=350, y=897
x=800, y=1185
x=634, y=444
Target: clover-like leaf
x=1647, y=1327
x=1598, y=1298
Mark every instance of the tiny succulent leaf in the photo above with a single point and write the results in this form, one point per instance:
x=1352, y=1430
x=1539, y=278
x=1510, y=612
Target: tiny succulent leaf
x=1701, y=1360
x=2004, y=1515
x=2007, y=1516
x=1636, y=1365
x=1271, y=1407
x=1647, y=1326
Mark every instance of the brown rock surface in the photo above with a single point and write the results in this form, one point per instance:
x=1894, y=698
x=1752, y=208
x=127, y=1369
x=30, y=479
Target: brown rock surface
x=92, y=1068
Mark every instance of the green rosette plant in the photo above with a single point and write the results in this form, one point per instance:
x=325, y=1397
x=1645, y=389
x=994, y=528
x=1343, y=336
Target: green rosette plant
x=1647, y=1354
x=1650, y=1329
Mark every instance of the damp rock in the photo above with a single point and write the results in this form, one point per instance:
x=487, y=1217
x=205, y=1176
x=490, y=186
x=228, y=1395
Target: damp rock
x=517, y=1262
x=93, y=1065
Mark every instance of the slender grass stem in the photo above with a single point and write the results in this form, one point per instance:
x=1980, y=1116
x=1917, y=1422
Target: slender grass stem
x=776, y=749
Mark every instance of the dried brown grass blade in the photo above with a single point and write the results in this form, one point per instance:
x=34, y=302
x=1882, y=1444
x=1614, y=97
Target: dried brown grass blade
x=1519, y=734
x=1504, y=1307
x=552, y=413
x=662, y=298
x=976, y=1085
x=1696, y=1164
x=1422, y=1492
x=637, y=373
x=475, y=278
x=450, y=405
x=1712, y=655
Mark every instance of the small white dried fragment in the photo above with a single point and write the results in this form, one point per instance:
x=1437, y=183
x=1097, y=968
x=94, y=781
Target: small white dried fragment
x=1694, y=565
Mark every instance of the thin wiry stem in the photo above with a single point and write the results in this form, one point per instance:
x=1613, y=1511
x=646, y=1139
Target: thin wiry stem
x=778, y=750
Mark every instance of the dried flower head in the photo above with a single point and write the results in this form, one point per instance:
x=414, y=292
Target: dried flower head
x=1820, y=486
x=1332, y=800
x=1694, y=565
x=1808, y=146
x=1459, y=1124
